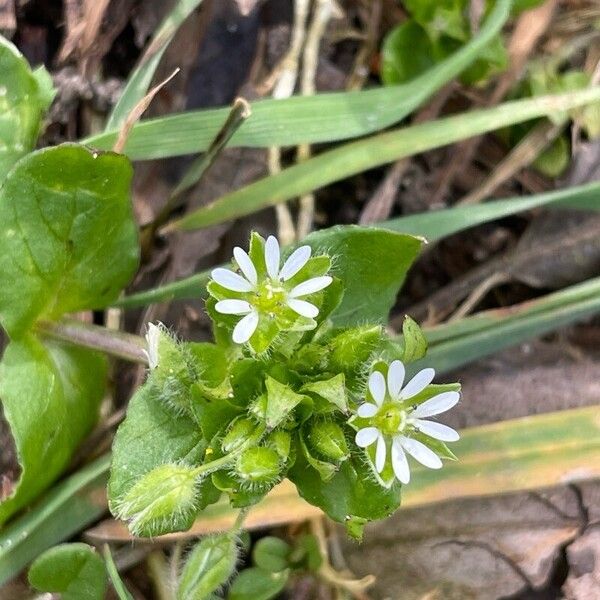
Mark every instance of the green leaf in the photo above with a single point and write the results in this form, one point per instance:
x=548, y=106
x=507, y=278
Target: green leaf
x=320, y=118
x=75, y=571
x=352, y=492
x=439, y=17
x=406, y=53
x=210, y=564
x=68, y=240
x=152, y=436
x=63, y=387
x=24, y=98
x=74, y=503
x=350, y=159
x=256, y=584
x=140, y=78
x=271, y=554
x=371, y=263
x=415, y=343
x=281, y=401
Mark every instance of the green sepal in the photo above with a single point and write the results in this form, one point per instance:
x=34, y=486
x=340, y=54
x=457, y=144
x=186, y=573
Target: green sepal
x=241, y=494
x=260, y=465
x=439, y=447
x=332, y=390
x=352, y=348
x=324, y=468
x=328, y=439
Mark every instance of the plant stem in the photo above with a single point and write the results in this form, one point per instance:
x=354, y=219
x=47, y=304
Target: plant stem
x=116, y=343
x=216, y=464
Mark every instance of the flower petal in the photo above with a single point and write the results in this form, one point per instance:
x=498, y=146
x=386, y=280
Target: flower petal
x=231, y=281
x=272, y=257
x=367, y=410
x=418, y=383
x=297, y=259
x=436, y=405
x=310, y=286
x=377, y=387
x=366, y=436
x=152, y=339
x=233, y=307
x=421, y=452
x=243, y=331
x=438, y=431
x=380, y=453
x=306, y=309
x=400, y=462
x=395, y=378
x=245, y=264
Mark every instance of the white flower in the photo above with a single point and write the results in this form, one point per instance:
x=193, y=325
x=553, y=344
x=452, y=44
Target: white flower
x=265, y=297
x=394, y=418
x=152, y=339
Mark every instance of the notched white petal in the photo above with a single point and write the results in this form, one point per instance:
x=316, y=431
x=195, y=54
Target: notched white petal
x=272, y=257
x=243, y=331
x=367, y=410
x=233, y=307
x=377, y=387
x=231, y=281
x=310, y=286
x=246, y=265
x=436, y=405
x=395, y=378
x=303, y=308
x=295, y=262
x=152, y=339
x=438, y=431
x=400, y=462
x=366, y=436
x=380, y=453
x=421, y=453
x=418, y=383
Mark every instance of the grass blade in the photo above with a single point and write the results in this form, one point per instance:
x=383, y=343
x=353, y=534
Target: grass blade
x=63, y=511
x=321, y=118
x=141, y=77
x=377, y=150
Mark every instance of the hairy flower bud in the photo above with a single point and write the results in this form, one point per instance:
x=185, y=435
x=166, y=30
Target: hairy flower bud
x=328, y=439
x=260, y=464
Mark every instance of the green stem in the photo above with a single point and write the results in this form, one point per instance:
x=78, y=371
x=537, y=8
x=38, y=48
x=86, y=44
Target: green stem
x=215, y=465
x=116, y=343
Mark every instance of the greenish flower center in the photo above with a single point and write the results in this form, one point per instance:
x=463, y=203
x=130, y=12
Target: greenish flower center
x=391, y=418
x=270, y=296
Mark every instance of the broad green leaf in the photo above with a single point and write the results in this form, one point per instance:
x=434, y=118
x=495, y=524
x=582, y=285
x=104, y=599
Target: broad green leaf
x=24, y=98
x=151, y=436
x=271, y=554
x=320, y=118
x=350, y=159
x=257, y=584
x=208, y=567
x=68, y=240
x=140, y=78
x=351, y=493
x=72, y=504
x=50, y=394
x=75, y=571
x=371, y=264
x=433, y=225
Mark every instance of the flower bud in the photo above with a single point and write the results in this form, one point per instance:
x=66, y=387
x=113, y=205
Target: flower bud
x=161, y=501
x=260, y=464
x=281, y=441
x=328, y=439
x=353, y=347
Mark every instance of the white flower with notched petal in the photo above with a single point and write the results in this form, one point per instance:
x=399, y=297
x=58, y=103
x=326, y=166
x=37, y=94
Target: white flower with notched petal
x=152, y=338
x=395, y=420
x=265, y=297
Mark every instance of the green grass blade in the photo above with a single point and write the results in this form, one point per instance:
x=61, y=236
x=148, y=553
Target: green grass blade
x=141, y=77
x=320, y=118
x=515, y=455
x=469, y=339
x=437, y=224
x=377, y=150
x=63, y=511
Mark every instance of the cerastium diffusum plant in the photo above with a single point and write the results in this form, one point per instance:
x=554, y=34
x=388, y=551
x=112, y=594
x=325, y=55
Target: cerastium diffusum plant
x=282, y=392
